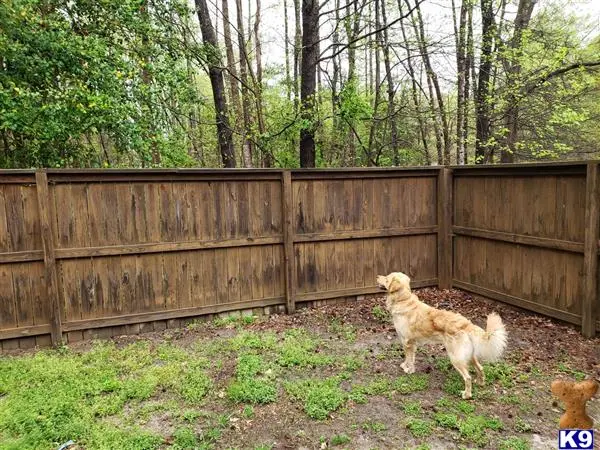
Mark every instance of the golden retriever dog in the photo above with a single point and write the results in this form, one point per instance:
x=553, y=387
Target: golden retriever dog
x=418, y=323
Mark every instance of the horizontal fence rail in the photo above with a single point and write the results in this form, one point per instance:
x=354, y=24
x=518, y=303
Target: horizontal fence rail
x=84, y=250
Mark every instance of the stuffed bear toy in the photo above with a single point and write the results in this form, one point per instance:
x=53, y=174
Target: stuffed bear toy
x=575, y=396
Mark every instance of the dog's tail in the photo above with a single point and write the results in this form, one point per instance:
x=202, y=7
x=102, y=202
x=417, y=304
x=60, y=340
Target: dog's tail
x=490, y=345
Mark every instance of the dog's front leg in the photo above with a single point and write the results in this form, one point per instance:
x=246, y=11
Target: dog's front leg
x=410, y=350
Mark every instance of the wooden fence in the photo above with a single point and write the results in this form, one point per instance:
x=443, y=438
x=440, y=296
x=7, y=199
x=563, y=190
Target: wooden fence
x=94, y=250
x=528, y=235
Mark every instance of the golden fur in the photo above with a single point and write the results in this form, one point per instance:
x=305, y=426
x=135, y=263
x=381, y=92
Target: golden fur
x=418, y=323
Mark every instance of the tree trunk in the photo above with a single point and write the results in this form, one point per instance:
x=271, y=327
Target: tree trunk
x=288, y=78
x=335, y=80
x=513, y=80
x=462, y=74
x=232, y=75
x=247, y=145
x=390, y=89
x=297, y=50
x=147, y=81
x=483, y=120
x=436, y=85
x=415, y=90
x=376, y=80
x=215, y=73
x=469, y=79
x=310, y=57
x=267, y=160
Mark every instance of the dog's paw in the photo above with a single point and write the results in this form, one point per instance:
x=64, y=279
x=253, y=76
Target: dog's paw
x=480, y=381
x=407, y=368
x=465, y=395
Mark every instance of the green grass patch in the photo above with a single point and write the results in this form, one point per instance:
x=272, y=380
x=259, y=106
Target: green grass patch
x=446, y=420
x=381, y=314
x=407, y=384
x=247, y=339
x=184, y=438
x=54, y=396
x=522, y=426
x=344, y=330
x=301, y=350
x=375, y=427
x=249, y=387
x=252, y=391
x=419, y=428
x=577, y=374
x=412, y=408
x=514, y=443
x=339, y=439
x=500, y=372
x=319, y=397
x=473, y=428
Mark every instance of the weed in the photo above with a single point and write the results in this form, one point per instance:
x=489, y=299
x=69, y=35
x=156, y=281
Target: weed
x=375, y=427
x=473, y=428
x=339, y=439
x=379, y=386
x=465, y=407
x=501, y=372
x=300, y=349
x=184, y=438
x=248, y=387
x=522, y=426
x=251, y=390
x=444, y=402
x=264, y=447
x=248, y=366
x=226, y=321
x=352, y=363
x=248, y=412
x=446, y=420
x=510, y=399
x=419, y=428
x=413, y=408
x=347, y=331
x=514, y=443
x=320, y=397
x=578, y=375
x=407, y=384
x=443, y=364
x=381, y=314
x=252, y=340
x=190, y=415
x=194, y=384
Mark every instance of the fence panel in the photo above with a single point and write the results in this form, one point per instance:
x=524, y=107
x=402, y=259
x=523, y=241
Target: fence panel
x=350, y=227
x=519, y=236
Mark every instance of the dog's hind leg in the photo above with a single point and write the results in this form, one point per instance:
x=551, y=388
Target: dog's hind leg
x=480, y=379
x=461, y=352
x=463, y=369
x=410, y=350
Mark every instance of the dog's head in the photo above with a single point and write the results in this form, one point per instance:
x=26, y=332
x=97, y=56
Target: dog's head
x=394, y=282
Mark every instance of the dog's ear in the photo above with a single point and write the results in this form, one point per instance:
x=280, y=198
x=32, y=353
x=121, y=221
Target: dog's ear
x=395, y=285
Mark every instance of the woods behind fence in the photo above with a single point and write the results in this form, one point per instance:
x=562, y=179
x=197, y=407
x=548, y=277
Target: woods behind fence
x=84, y=250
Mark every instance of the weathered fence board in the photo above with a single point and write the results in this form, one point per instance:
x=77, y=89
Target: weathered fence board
x=521, y=236
x=135, y=247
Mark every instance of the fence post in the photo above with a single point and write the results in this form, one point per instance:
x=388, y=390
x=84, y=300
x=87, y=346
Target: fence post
x=444, y=213
x=288, y=240
x=590, y=257
x=51, y=273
